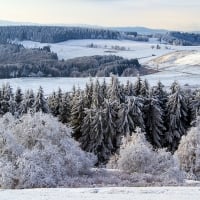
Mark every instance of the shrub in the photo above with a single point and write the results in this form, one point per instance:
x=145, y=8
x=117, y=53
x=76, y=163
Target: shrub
x=137, y=156
x=188, y=152
x=38, y=151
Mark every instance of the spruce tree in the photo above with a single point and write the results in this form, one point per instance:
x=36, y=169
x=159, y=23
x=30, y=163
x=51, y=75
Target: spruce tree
x=194, y=106
x=88, y=93
x=97, y=96
x=18, y=101
x=154, y=123
x=138, y=86
x=77, y=115
x=161, y=95
x=129, y=89
x=145, y=88
x=7, y=99
x=64, y=109
x=135, y=114
x=40, y=104
x=115, y=91
x=28, y=101
x=92, y=139
x=177, y=117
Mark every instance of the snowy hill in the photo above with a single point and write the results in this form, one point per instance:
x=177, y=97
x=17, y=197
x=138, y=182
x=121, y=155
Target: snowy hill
x=12, y=23
x=187, y=61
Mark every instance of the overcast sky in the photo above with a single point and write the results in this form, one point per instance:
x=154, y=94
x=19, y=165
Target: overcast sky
x=168, y=14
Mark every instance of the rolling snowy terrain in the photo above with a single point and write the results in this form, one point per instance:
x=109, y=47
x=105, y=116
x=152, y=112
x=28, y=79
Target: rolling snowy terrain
x=78, y=48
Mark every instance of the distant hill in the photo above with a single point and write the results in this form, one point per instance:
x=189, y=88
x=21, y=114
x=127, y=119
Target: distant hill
x=12, y=23
x=140, y=30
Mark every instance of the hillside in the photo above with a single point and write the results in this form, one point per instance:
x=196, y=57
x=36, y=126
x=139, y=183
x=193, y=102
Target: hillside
x=180, y=61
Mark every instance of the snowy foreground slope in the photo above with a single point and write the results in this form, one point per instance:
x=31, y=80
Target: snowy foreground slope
x=139, y=193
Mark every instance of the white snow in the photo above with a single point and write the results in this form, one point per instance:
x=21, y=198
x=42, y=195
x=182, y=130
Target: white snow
x=136, y=193
x=79, y=48
x=179, y=61
x=66, y=84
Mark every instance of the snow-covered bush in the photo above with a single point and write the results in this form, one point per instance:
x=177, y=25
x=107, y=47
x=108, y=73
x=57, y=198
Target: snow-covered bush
x=137, y=156
x=38, y=151
x=188, y=152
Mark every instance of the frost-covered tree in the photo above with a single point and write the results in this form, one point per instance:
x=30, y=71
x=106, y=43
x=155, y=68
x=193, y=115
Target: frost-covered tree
x=40, y=103
x=145, y=88
x=122, y=121
x=129, y=89
x=99, y=131
x=177, y=117
x=54, y=102
x=138, y=86
x=135, y=115
x=174, y=87
x=88, y=94
x=65, y=109
x=92, y=139
x=154, y=123
x=18, y=101
x=160, y=94
x=115, y=91
x=77, y=115
x=28, y=101
x=112, y=136
x=38, y=151
x=188, y=152
x=137, y=156
x=195, y=105
x=7, y=99
x=104, y=89
x=97, y=96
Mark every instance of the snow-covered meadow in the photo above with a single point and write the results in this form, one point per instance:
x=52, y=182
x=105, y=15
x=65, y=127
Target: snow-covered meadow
x=140, y=193
x=66, y=84
x=78, y=48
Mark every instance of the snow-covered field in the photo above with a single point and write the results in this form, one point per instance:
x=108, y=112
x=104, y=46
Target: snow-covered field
x=66, y=84
x=139, y=193
x=79, y=48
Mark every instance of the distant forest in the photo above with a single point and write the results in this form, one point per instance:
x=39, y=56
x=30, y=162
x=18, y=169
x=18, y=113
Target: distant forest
x=16, y=61
x=53, y=34
x=182, y=39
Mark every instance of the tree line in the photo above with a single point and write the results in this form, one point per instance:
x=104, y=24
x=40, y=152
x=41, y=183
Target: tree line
x=53, y=34
x=181, y=38
x=102, y=113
